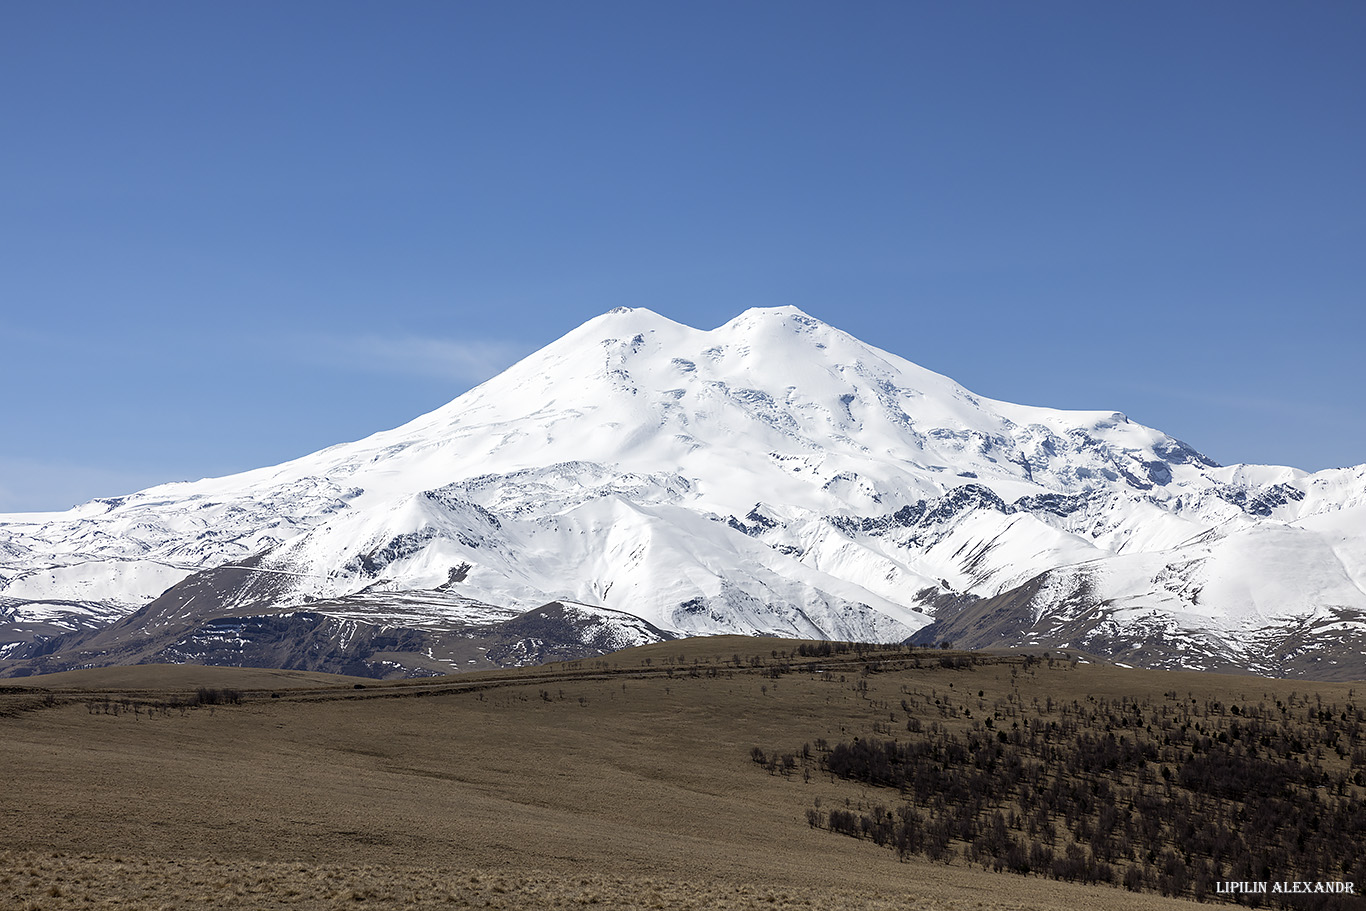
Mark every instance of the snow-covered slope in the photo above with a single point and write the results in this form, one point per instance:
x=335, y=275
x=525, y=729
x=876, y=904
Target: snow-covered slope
x=773, y=475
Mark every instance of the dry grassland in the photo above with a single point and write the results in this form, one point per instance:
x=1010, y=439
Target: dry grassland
x=624, y=782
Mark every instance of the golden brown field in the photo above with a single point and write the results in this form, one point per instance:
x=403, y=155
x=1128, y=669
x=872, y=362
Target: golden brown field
x=623, y=782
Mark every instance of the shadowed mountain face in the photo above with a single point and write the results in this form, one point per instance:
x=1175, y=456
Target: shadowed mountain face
x=772, y=476
x=423, y=633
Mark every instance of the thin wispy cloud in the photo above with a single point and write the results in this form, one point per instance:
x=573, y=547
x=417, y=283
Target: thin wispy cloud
x=28, y=485
x=462, y=360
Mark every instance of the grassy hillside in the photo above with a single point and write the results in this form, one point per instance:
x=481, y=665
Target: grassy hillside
x=622, y=782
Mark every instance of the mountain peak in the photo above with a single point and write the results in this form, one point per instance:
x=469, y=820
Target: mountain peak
x=644, y=318
x=787, y=317
x=783, y=312
x=615, y=323
x=773, y=474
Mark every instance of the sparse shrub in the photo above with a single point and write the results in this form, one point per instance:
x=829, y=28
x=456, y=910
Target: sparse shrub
x=1250, y=795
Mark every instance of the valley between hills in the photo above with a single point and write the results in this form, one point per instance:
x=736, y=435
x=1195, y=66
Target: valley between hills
x=715, y=772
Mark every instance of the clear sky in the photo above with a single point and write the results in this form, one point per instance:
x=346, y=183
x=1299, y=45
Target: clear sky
x=234, y=233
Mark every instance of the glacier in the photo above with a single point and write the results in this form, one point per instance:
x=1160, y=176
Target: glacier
x=772, y=476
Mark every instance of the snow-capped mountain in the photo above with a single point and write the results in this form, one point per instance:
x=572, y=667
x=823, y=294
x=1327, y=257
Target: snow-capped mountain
x=774, y=475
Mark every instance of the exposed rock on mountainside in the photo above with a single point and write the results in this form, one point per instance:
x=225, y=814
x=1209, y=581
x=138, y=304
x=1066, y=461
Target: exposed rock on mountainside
x=771, y=476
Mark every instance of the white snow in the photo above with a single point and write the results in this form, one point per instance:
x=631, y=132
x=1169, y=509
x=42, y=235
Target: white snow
x=613, y=466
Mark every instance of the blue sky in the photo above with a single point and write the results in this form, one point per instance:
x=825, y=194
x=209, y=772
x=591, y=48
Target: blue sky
x=235, y=233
